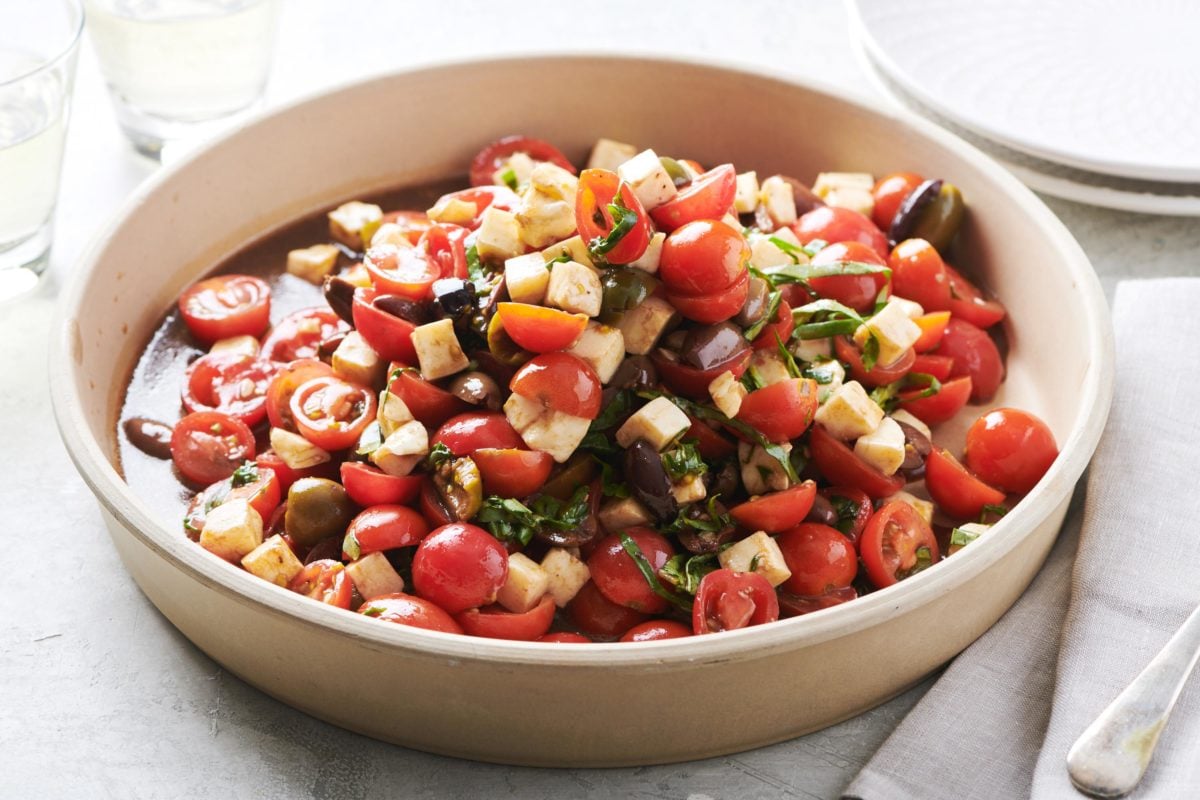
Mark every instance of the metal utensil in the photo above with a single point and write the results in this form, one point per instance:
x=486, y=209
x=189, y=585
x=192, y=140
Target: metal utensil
x=1111, y=756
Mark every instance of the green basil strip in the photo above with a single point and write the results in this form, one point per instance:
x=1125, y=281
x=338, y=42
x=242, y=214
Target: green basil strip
x=624, y=219
x=803, y=273
x=773, y=302
x=647, y=571
x=961, y=538
x=932, y=384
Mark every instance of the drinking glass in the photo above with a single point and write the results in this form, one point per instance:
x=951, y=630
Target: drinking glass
x=38, y=43
x=179, y=70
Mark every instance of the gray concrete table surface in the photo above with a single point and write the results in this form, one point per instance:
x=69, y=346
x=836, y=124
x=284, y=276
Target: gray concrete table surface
x=101, y=697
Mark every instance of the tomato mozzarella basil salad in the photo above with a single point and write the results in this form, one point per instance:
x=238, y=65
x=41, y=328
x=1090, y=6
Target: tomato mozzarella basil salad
x=641, y=401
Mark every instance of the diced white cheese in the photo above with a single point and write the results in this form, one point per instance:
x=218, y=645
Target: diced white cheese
x=526, y=585
x=765, y=253
x=849, y=412
x=273, y=561
x=574, y=248
x=601, y=346
x=403, y=449
x=757, y=553
x=648, y=260
x=609, y=154
x=231, y=530
x=354, y=223
x=566, y=573
x=390, y=233
x=924, y=508
x=659, y=422
x=314, y=263
x=499, y=235
x=238, y=345
x=900, y=415
x=813, y=349
x=522, y=412
x=296, y=451
x=850, y=190
x=520, y=164
x=438, y=350
x=761, y=472
x=829, y=376
x=689, y=490
x=644, y=324
x=358, y=276
x=453, y=210
x=575, y=288
x=542, y=429
x=617, y=514
x=357, y=362
x=972, y=530
x=768, y=366
x=393, y=412
x=373, y=575
x=779, y=199
x=727, y=393
x=648, y=179
x=745, y=199
x=526, y=278
x=911, y=309
x=546, y=212
x=882, y=448
x=894, y=331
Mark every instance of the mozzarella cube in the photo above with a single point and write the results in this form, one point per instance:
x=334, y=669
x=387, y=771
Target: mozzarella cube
x=542, y=429
x=659, y=422
x=645, y=323
x=389, y=233
x=900, y=415
x=393, y=412
x=526, y=585
x=757, y=553
x=453, y=210
x=574, y=288
x=911, y=309
x=609, y=154
x=924, y=508
x=765, y=253
x=971, y=530
x=403, y=449
x=566, y=574
x=745, y=200
x=358, y=276
x=813, y=349
x=689, y=490
x=526, y=278
x=357, y=362
x=354, y=223
x=273, y=561
x=438, y=350
x=648, y=261
x=521, y=412
x=232, y=530
x=499, y=235
x=829, y=376
x=849, y=412
x=882, y=448
x=894, y=331
x=850, y=190
x=617, y=514
x=648, y=179
x=727, y=393
x=546, y=213
x=601, y=346
x=296, y=451
x=762, y=472
x=373, y=575
x=779, y=199
x=314, y=263
x=238, y=345
x=769, y=367
x=574, y=248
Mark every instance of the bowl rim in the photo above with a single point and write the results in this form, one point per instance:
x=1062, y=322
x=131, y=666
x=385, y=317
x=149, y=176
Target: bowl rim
x=124, y=507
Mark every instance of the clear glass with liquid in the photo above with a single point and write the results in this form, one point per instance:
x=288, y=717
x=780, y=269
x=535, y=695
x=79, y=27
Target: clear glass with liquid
x=178, y=70
x=38, y=43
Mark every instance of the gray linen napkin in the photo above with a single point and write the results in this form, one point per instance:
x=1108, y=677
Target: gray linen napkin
x=1122, y=577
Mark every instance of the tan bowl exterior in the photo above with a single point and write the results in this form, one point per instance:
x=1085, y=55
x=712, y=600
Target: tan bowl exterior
x=598, y=705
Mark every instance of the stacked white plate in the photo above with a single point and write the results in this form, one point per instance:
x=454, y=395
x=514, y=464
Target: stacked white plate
x=1096, y=101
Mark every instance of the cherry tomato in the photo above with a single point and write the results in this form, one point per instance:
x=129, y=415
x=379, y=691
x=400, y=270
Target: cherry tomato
x=711, y=444
x=459, y=566
x=598, y=188
x=224, y=306
x=783, y=410
x=371, y=486
x=404, y=609
x=937, y=366
x=1010, y=448
x=833, y=224
x=332, y=413
x=779, y=329
x=703, y=257
x=325, y=581
x=263, y=494
x=285, y=383
x=511, y=472
x=299, y=335
x=429, y=404
x=414, y=223
x=933, y=328
x=232, y=383
x=496, y=154
x=691, y=381
x=819, y=557
x=405, y=271
x=975, y=355
x=877, y=375
x=387, y=334
x=715, y=306
x=889, y=193
x=496, y=622
x=968, y=303
x=728, y=600
x=956, y=491
x=892, y=542
x=857, y=291
x=208, y=446
x=656, y=630
x=483, y=198
x=853, y=508
x=564, y=637
x=919, y=274
x=841, y=466
x=444, y=245
x=939, y=407
x=594, y=613
x=617, y=576
x=539, y=329
x=468, y=432
x=386, y=527
x=710, y=196
x=777, y=511
x=560, y=382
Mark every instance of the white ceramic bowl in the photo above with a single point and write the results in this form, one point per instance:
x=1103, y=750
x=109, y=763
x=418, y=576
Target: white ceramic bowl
x=529, y=703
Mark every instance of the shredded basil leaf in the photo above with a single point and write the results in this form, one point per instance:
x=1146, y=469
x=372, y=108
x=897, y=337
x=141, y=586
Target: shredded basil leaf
x=752, y=380
x=773, y=300
x=961, y=538
x=886, y=397
x=847, y=513
x=788, y=359
x=370, y=440
x=624, y=218
x=244, y=475
x=932, y=384
x=609, y=485
x=685, y=571
x=371, y=611
x=803, y=273
x=439, y=455
x=683, y=460
x=351, y=547
x=647, y=571
x=924, y=561
x=509, y=176
x=511, y=520
x=993, y=510
x=475, y=270
x=706, y=520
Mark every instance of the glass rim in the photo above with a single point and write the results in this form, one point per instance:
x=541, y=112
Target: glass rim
x=61, y=55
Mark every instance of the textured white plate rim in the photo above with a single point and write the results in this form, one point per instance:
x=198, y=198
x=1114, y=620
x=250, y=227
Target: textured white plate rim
x=123, y=504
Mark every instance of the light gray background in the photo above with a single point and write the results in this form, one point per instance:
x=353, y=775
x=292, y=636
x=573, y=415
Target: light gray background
x=101, y=697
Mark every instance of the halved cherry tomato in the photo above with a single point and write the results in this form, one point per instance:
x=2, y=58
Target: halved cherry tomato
x=703, y=257
x=779, y=329
x=690, y=381
x=385, y=527
x=833, y=224
x=405, y=271
x=263, y=494
x=414, y=223
x=853, y=508
x=298, y=335
x=1010, y=448
x=975, y=355
x=388, y=335
x=794, y=605
x=208, y=446
x=711, y=444
x=892, y=542
x=783, y=410
x=889, y=193
x=710, y=196
x=933, y=327
x=483, y=198
x=857, y=291
x=325, y=581
x=232, y=383
x=563, y=637
x=444, y=245
x=459, y=566
x=955, y=490
x=656, y=630
x=404, y=609
x=429, y=404
x=777, y=511
x=617, y=576
x=715, y=306
x=466, y=433
x=226, y=305
x=937, y=366
x=332, y=413
x=728, y=600
x=939, y=407
x=841, y=466
x=598, y=188
x=594, y=613
x=879, y=374
x=919, y=274
x=560, y=382
x=285, y=383
x=496, y=622
x=371, y=486
x=819, y=557
x=539, y=329
x=968, y=303
x=509, y=472
x=493, y=156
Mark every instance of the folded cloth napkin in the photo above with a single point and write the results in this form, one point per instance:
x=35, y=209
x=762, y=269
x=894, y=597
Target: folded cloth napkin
x=1123, y=576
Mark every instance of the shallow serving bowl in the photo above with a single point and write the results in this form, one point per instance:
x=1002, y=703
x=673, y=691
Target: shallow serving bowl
x=598, y=705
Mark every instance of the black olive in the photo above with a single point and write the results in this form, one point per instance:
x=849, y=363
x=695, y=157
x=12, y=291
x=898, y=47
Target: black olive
x=822, y=511
x=327, y=346
x=635, y=372
x=910, y=210
x=712, y=346
x=648, y=480
x=150, y=436
x=477, y=388
x=403, y=308
x=698, y=541
x=500, y=372
x=339, y=293
x=756, y=303
x=453, y=297
x=916, y=449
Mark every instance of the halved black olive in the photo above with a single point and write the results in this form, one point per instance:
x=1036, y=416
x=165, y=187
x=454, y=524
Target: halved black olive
x=756, y=303
x=402, y=307
x=339, y=293
x=635, y=372
x=453, y=297
x=916, y=449
x=905, y=220
x=150, y=436
x=711, y=346
x=822, y=511
x=327, y=346
x=648, y=480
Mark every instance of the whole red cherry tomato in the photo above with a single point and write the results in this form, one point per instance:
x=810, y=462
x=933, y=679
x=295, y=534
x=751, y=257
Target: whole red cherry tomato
x=459, y=566
x=617, y=576
x=466, y=433
x=1010, y=448
x=832, y=224
x=857, y=291
x=656, y=630
x=416, y=612
x=889, y=194
x=703, y=257
x=819, y=557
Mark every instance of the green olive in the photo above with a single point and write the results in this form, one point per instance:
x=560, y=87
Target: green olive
x=624, y=288
x=460, y=487
x=317, y=508
x=941, y=219
x=578, y=471
x=679, y=176
x=501, y=345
